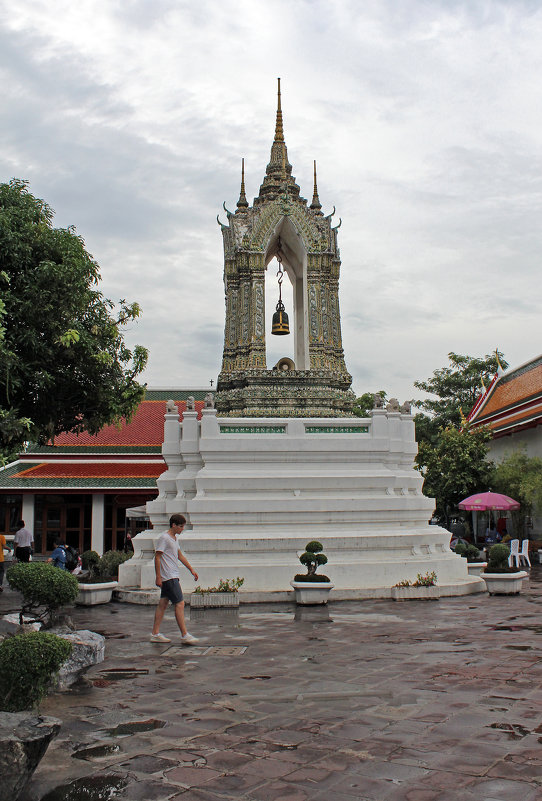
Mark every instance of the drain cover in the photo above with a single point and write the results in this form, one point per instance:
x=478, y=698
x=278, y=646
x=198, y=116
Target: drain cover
x=210, y=650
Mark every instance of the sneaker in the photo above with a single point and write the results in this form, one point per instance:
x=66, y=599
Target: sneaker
x=189, y=639
x=159, y=638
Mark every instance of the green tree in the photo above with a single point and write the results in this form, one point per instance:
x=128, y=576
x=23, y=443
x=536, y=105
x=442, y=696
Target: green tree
x=456, y=389
x=363, y=405
x=455, y=467
x=520, y=477
x=63, y=361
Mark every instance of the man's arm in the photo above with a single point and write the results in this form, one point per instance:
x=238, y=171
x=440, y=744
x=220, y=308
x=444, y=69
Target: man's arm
x=157, y=559
x=187, y=564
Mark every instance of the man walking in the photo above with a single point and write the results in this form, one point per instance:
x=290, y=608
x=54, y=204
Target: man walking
x=166, y=563
x=23, y=541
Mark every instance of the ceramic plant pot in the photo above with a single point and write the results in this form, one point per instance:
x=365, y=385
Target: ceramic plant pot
x=92, y=594
x=311, y=593
x=504, y=583
x=214, y=599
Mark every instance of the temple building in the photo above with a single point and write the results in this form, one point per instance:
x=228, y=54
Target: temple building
x=512, y=408
x=91, y=490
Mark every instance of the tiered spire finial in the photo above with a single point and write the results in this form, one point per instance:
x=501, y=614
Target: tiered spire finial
x=278, y=174
x=315, y=205
x=279, y=129
x=242, y=203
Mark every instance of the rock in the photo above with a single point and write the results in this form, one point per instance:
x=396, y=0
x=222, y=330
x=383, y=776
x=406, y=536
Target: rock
x=88, y=649
x=9, y=624
x=24, y=738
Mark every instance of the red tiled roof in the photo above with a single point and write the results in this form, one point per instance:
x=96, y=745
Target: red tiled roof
x=145, y=428
x=94, y=470
x=514, y=401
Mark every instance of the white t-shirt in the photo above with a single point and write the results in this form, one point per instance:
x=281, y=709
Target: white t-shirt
x=169, y=561
x=23, y=538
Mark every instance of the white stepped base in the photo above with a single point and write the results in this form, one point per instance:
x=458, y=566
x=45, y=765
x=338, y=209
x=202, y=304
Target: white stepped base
x=254, y=492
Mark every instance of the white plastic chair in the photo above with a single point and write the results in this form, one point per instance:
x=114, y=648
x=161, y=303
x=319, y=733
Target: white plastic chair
x=523, y=555
x=513, y=559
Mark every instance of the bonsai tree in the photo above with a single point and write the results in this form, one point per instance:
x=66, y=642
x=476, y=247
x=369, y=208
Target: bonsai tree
x=28, y=663
x=102, y=568
x=498, y=560
x=45, y=589
x=470, y=552
x=312, y=558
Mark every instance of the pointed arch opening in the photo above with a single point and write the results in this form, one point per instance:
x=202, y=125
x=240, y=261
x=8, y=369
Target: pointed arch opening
x=294, y=262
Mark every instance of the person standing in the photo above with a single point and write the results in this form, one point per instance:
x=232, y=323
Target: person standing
x=23, y=541
x=2, y=546
x=166, y=563
x=58, y=556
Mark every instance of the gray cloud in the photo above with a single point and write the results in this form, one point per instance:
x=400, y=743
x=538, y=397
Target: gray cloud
x=131, y=121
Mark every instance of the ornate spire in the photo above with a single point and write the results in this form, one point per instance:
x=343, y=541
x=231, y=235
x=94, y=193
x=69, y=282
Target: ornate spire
x=279, y=130
x=316, y=205
x=278, y=173
x=242, y=203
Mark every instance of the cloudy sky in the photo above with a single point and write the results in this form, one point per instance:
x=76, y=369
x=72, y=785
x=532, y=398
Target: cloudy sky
x=130, y=117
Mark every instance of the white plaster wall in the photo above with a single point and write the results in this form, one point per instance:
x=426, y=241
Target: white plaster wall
x=253, y=500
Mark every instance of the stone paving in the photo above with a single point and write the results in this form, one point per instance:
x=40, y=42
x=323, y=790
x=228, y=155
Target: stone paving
x=372, y=701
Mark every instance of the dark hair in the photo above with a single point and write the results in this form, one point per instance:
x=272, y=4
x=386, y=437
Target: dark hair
x=177, y=520
x=21, y=523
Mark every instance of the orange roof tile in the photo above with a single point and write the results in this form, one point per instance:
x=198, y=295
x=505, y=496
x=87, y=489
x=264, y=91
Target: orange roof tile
x=514, y=400
x=94, y=470
x=145, y=428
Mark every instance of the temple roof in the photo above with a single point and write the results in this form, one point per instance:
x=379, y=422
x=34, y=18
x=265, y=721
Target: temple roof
x=513, y=400
x=123, y=458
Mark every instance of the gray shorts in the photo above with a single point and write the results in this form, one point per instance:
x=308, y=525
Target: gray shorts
x=171, y=589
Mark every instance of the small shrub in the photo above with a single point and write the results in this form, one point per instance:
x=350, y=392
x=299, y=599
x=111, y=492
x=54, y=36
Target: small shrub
x=472, y=553
x=498, y=560
x=28, y=662
x=43, y=587
x=461, y=549
x=224, y=585
x=429, y=580
x=90, y=561
x=109, y=563
x=311, y=558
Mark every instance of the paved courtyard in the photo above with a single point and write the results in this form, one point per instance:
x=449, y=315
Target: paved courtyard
x=372, y=701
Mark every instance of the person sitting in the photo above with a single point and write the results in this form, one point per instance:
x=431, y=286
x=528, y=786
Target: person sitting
x=492, y=535
x=58, y=556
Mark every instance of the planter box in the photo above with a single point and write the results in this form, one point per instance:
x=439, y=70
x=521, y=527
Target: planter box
x=92, y=594
x=214, y=599
x=504, y=583
x=310, y=593
x=415, y=593
x=475, y=568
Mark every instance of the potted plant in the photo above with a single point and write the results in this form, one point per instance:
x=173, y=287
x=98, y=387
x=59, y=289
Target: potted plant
x=225, y=594
x=500, y=578
x=311, y=587
x=475, y=564
x=423, y=589
x=100, y=576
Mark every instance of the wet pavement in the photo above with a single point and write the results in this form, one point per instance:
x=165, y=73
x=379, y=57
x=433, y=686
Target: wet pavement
x=372, y=701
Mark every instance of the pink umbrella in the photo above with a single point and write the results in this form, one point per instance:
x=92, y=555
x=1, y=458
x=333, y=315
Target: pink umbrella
x=488, y=500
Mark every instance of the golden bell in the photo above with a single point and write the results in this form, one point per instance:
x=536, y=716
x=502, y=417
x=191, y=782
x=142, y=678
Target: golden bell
x=280, y=325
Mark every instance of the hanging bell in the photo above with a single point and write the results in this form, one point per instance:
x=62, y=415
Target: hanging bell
x=280, y=325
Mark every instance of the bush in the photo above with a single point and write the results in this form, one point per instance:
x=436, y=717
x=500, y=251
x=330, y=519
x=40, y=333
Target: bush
x=109, y=563
x=311, y=558
x=461, y=549
x=224, y=585
x=498, y=560
x=42, y=586
x=28, y=662
x=472, y=553
x=90, y=560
